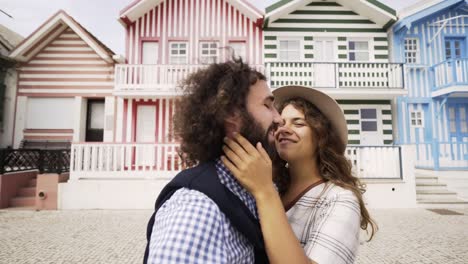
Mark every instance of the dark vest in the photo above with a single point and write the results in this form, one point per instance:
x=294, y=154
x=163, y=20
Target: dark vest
x=204, y=178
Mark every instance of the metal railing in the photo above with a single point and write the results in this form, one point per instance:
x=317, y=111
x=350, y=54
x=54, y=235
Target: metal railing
x=46, y=161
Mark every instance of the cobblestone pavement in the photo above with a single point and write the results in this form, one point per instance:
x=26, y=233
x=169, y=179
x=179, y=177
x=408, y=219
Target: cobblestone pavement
x=102, y=236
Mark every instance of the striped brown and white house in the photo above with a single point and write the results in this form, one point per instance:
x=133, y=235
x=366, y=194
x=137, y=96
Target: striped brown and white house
x=65, y=85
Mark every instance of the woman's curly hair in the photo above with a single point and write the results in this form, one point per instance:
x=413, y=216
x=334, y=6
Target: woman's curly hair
x=210, y=96
x=332, y=162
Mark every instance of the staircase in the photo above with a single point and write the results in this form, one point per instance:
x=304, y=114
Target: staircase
x=430, y=193
x=26, y=197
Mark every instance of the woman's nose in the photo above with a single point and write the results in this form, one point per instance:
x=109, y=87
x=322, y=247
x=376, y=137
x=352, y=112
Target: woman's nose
x=283, y=129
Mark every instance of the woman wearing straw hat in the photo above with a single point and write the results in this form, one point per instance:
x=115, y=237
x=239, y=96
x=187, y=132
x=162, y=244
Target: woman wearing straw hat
x=316, y=211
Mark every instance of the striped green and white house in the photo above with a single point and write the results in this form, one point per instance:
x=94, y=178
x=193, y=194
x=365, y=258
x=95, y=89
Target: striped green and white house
x=340, y=47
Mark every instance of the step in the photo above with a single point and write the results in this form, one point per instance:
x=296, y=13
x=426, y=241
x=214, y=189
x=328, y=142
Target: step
x=436, y=195
x=426, y=181
x=23, y=201
x=27, y=192
x=449, y=203
x=431, y=186
x=32, y=183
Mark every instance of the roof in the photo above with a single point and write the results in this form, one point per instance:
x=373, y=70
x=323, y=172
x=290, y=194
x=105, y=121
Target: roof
x=9, y=38
x=55, y=25
x=139, y=7
x=379, y=13
x=422, y=9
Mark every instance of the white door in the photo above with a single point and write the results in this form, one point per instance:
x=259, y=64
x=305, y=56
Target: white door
x=324, y=68
x=150, y=51
x=371, y=130
x=145, y=133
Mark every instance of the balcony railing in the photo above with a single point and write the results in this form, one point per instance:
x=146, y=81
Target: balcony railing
x=161, y=161
x=141, y=79
x=45, y=160
x=336, y=75
x=450, y=73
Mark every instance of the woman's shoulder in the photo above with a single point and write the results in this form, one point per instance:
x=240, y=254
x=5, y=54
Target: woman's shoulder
x=335, y=192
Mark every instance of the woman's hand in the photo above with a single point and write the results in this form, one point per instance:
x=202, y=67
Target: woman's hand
x=251, y=166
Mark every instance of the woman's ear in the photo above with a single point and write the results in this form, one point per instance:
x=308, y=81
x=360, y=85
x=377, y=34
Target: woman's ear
x=232, y=124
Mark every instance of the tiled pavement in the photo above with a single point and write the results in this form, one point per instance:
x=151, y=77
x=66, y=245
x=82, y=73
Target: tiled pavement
x=101, y=236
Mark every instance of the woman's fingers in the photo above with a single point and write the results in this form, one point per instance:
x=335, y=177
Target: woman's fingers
x=245, y=144
x=232, y=156
x=236, y=148
x=230, y=165
x=263, y=152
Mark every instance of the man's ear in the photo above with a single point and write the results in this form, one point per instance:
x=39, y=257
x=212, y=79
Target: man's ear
x=232, y=124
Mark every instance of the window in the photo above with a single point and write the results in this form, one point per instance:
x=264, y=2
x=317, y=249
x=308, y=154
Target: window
x=289, y=50
x=412, y=50
x=178, y=53
x=209, y=52
x=416, y=119
x=238, y=49
x=358, y=51
x=369, y=119
x=463, y=120
x=454, y=48
x=150, y=52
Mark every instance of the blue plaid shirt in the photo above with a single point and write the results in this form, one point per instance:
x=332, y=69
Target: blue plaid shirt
x=190, y=228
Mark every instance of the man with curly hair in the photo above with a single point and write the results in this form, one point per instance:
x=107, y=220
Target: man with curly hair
x=204, y=215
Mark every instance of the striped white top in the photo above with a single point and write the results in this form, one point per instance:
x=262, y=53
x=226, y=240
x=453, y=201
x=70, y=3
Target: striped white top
x=326, y=220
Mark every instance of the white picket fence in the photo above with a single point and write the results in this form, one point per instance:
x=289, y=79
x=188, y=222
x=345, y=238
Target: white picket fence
x=376, y=162
x=453, y=155
x=146, y=161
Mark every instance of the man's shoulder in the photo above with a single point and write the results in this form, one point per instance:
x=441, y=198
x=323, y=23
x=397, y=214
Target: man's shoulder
x=185, y=197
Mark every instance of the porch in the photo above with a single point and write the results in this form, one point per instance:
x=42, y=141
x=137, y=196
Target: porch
x=160, y=161
x=442, y=155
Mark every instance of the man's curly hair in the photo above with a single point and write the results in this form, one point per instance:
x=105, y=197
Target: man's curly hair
x=210, y=95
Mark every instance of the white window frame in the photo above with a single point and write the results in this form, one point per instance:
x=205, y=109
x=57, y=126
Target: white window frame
x=411, y=50
x=236, y=52
x=370, y=52
x=175, y=58
x=207, y=58
x=415, y=116
x=301, y=48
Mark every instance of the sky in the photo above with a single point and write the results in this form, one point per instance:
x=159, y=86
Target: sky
x=97, y=16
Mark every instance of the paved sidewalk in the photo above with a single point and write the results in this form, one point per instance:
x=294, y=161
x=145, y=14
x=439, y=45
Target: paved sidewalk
x=96, y=236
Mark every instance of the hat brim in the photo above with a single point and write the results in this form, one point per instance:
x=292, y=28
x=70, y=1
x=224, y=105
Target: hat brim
x=327, y=105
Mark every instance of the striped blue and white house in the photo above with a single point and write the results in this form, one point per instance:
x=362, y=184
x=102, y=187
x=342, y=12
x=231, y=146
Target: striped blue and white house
x=431, y=37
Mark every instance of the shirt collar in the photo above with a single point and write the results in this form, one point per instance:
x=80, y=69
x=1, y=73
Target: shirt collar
x=227, y=179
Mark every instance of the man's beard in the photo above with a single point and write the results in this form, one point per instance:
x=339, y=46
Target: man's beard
x=254, y=133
